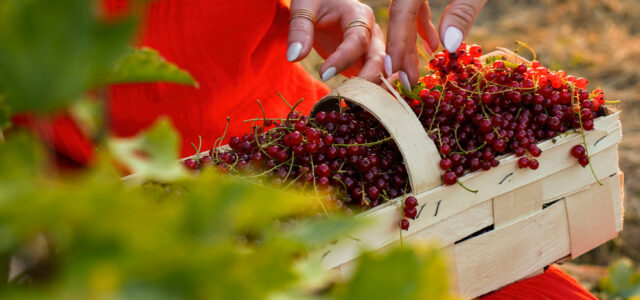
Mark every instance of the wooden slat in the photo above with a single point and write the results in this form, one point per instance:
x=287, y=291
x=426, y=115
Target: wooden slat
x=456, y=227
x=502, y=256
x=448, y=230
x=453, y=199
x=618, y=205
x=517, y=204
x=604, y=164
x=591, y=215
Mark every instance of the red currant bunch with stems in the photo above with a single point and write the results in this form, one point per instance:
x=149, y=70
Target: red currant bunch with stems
x=346, y=153
x=477, y=111
x=409, y=211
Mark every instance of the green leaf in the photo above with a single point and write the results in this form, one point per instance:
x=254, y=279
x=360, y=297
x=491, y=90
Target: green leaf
x=401, y=273
x=320, y=232
x=146, y=65
x=21, y=158
x=51, y=52
x=5, y=115
x=88, y=115
x=152, y=154
x=621, y=281
x=620, y=274
x=414, y=93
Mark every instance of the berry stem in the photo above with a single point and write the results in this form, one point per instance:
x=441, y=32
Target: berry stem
x=466, y=188
x=218, y=141
x=371, y=144
x=584, y=139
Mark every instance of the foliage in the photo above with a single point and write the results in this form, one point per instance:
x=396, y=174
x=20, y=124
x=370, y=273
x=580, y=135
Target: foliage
x=152, y=154
x=621, y=282
x=162, y=234
x=146, y=65
x=210, y=236
x=53, y=51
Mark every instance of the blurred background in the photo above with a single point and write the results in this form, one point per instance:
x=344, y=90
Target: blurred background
x=598, y=40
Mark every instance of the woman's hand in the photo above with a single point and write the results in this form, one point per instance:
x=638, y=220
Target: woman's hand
x=407, y=18
x=352, y=48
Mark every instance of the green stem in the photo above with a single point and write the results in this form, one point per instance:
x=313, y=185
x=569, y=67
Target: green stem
x=466, y=188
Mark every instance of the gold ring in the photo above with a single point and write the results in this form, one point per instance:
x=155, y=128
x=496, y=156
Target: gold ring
x=303, y=13
x=358, y=22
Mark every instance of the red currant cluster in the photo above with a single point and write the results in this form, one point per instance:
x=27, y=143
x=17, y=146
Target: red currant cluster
x=475, y=111
x=409, y=211
x=580, y=153
x=348, y=154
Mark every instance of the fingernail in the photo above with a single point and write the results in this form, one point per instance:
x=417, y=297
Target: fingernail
x=388, y=67
x=404, y=79
x=452, y=38
x=427, y=48
x=294, y=51
x=328, y=74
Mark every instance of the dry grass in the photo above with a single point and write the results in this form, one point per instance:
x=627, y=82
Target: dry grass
x=598, y=40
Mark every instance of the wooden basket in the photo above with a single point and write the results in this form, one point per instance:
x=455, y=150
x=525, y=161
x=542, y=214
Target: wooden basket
x=518, y=222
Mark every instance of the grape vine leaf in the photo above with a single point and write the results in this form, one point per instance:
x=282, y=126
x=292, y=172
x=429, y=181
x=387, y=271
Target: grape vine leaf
x=53, y=51
x=152, y=154
x=147, y=65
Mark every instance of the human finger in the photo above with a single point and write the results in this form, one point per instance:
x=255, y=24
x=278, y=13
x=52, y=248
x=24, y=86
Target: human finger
x=356, y=20
x=402, y=17
x=457, y=20
x=373, y=62
x=301, y=27
x=426, y=29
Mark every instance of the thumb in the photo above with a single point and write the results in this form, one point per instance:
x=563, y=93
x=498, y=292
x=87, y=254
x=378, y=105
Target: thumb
x=457, y=20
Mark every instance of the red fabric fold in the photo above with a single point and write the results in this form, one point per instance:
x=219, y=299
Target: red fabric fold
x=554, y=284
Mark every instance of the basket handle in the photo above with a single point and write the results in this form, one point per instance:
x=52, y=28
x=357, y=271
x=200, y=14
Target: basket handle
x=421, y=157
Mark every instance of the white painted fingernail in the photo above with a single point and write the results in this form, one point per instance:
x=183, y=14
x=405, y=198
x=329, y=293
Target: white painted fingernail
x=404, y=79
x=452, y=38
x=294, y=51
x=328, y=73
x=388, y=67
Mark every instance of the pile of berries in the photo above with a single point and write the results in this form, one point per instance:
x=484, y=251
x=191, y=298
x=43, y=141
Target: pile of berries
x=348, y=154
x=474, y=111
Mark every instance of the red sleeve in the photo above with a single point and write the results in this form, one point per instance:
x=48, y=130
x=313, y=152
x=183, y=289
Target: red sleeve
x=554, y=284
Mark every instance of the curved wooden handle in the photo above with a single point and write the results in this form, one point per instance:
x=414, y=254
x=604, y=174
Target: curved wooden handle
x=420, y=154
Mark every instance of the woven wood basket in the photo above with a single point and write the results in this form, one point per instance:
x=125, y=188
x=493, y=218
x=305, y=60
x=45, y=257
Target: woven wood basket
x=518, y=222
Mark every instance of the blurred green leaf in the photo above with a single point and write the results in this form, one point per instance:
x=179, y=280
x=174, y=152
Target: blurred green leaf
x=621, y=282
x=51, y=52
x=401, y=273
x=316, y=233
x=146, y=65
x=152, y=154
x=88, y=115
x=5, y=115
